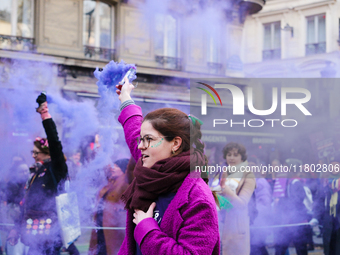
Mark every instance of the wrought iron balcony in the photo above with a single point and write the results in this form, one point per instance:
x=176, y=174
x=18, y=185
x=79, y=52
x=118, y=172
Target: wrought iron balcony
x=98, y=53
x=271, y=54
x=315, y=48
x=18, y=43
x=169, y=62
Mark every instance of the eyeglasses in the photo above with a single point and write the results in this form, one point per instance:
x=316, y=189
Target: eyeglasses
x=35, y=153
x=147, y=140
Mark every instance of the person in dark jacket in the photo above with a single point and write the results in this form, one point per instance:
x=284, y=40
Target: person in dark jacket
x=15, y=191
x=291, y=210
x=326, y=209
x=263, y=200
x=38, y=225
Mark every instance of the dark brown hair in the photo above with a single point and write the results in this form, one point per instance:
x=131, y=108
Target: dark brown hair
x=239, y=147
x=171, y=122
x=44, y=150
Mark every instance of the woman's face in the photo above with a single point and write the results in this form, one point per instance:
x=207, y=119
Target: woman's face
x=159, y=147
x=38, y=155
x=113, y=173
x=233, y=158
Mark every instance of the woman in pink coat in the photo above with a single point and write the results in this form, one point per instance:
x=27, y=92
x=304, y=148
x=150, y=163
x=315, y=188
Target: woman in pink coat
x=170, y=211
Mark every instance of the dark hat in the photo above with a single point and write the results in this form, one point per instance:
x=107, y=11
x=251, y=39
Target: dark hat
x=122, y=163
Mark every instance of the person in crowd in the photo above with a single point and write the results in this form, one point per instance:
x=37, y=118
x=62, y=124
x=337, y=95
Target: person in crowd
x=74, y=165
x=110, y=210
x=271, y=176
x=170, y=209
x=238, y=188
x=291, y=209
x=312, y=179
x=38, y=225
x=15, y=190
x=223, y=205
x=326, y=209
x=263, y=199
x=310, y=183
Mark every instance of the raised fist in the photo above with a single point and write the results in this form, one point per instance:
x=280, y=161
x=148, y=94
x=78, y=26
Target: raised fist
x=41, y=98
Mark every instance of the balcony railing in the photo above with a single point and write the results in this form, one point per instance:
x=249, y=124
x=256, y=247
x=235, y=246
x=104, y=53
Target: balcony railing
x=315, y=48
x=271, y=54
x=214, y=68
x=18, y=43
x=99, y=53
x=169, y=62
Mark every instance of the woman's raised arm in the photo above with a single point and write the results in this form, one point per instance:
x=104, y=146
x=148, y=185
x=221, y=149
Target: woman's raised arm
x=130, y=117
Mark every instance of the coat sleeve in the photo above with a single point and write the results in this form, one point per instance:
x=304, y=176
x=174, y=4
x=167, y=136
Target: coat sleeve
x=59, y=166
x=131, y=119
x=198, y=233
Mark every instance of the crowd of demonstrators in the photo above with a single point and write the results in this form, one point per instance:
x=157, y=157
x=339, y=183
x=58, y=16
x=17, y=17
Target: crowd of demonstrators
x=164, y=206
x=289, y=201
x=170, y=210
x=110, y=210
x=28, y=195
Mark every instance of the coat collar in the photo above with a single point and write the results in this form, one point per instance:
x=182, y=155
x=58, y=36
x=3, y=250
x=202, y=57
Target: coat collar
x=182, y=196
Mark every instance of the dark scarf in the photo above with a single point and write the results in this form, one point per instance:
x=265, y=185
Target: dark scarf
x=163, y=177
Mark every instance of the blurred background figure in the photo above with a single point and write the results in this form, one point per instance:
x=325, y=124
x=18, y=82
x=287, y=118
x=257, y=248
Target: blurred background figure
x=291, y=209
x=110, y=210
x=263, y=201
x=326, y=209
x=74, y=165
x=238, y=188
x=271, y=181
x=18, y=175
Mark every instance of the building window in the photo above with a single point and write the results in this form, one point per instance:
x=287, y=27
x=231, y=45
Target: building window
x=166, y=41
x=214, y=51
x=316, y=34
x=98, y=31
x=16, y=25
x=272, y=41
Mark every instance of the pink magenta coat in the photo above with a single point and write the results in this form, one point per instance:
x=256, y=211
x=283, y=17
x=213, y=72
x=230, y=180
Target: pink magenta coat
x=189, y=225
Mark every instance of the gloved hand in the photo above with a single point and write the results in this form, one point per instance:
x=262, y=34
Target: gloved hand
x=313, y=222
x=43, y=109
x=41, y=98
